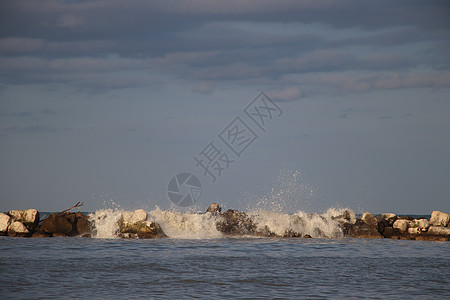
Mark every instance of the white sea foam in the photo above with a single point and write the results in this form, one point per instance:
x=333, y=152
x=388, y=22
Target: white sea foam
x=105, y=222
x=181, y=225
x=186, y=225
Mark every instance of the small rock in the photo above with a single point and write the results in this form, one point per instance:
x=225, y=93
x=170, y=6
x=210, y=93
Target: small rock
x=18, y=229
x=214, y=209
x=29, y=217
x=439, y=218
x=401, y=225
x=391, y=218
x=5, y=221
x=369, y=219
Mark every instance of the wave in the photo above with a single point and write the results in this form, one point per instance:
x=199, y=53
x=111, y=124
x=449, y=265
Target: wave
x=185, y=225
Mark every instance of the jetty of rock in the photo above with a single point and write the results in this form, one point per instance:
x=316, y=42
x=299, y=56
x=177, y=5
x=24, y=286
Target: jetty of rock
x=136, y=224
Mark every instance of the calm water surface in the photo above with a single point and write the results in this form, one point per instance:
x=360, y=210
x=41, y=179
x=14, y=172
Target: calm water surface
x=223, y=268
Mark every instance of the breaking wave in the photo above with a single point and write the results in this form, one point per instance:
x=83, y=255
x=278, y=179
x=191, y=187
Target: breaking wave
x=184, y=225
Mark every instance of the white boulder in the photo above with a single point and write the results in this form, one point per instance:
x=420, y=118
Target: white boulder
x=17, y=229
x=389, y=217
x=28, y=217
x=401, y=225
x=439, y=230
x=5, y=221
x=421, y=224
x=439, y=218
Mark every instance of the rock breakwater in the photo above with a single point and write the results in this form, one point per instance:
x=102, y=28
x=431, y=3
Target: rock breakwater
x=215, y=223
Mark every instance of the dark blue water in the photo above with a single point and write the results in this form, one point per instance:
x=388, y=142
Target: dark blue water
x=49, y=268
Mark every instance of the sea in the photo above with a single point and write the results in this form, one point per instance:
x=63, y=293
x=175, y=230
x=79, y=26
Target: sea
x=196, y=261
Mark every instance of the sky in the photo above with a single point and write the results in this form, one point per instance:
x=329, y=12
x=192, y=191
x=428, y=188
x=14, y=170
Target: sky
x=104, y=102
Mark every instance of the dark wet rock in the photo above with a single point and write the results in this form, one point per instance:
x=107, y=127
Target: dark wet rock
x=391, y=233
x=40, y=234
x=382, y=225
x=265, y=232
x=214, y=209
x=58, y=225
x=307, y=236
x=407, y=218
x=66, y=224
x=84, y=226
x=425, y=236
x=18, y=229
x=363, y=230
x=292, y=234
x=28, y=217
x=235, y=222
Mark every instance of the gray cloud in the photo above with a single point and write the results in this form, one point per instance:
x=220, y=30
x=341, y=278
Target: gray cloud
x=34, y=129
x=100, y=45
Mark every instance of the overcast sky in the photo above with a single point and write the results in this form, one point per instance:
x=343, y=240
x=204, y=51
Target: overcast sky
x=104, y=101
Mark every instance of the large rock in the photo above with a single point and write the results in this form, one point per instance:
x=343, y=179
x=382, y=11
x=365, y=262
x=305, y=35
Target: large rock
x=18, y=229
x=392, y=233
x=401, y=225
x=363, y=230
x=84, y=226
x=434, y=233
x=142, y=230
x=135, y=225
x=389, y=217
x=439, y=218
x=59, y=225
x=439, y=230
x=214, y=209
x=5, y=221
x=28, y=217
x=369, y=219
x=67, y=224
x=235, y=222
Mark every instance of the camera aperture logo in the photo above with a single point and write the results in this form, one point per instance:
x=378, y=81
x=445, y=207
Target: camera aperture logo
x=184, y=189
x=216, y=157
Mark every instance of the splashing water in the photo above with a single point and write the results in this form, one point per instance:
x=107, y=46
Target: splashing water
x=183, y=225
x=289, y=193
